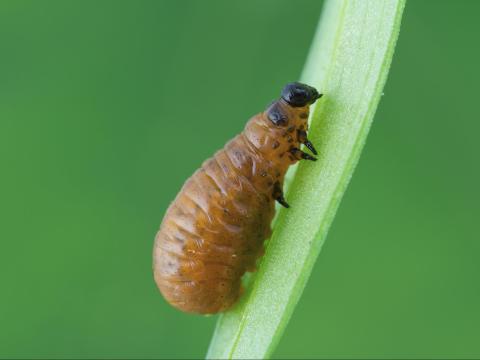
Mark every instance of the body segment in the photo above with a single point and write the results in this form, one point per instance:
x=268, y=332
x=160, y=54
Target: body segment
x=213, y=232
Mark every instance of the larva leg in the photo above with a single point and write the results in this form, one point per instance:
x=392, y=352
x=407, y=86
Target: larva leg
x=299, y=154
x=310, y=146
x=302, y=137
x=278, y=195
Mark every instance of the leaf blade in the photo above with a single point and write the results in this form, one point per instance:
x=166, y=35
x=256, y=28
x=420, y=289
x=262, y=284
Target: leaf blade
x=349, y=62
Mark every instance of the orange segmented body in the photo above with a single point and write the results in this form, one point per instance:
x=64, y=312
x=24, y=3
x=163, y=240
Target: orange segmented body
x=214, y=230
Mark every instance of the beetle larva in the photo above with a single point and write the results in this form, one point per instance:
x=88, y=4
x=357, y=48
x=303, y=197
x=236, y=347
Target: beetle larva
x=214, y=230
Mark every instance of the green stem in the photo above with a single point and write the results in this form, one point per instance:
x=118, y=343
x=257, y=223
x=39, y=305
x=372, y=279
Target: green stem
x=348, y=62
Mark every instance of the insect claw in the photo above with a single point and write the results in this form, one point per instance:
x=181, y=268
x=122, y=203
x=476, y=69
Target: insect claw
x=299, y=154
x=306, y=156
x=281, y=200
x=278, y=195
x=302, y=155
x=310, y=146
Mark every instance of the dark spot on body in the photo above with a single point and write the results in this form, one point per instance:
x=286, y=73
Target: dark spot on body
x=275, y=144
x=304, y=115
x=291, y=129
x=263, y=173
x=276, y=115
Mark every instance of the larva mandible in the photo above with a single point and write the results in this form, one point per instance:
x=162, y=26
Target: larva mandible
x=214, y=230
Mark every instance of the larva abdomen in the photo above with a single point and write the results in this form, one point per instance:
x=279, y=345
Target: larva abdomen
x=214, y=230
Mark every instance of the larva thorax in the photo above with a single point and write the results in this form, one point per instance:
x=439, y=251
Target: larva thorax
x=278, y=133
x=276, y=140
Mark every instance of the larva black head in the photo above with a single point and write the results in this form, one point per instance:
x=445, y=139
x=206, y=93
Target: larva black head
x=298, y=94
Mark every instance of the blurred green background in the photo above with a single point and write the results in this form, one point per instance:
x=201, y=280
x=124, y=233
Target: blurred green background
x=106, y=107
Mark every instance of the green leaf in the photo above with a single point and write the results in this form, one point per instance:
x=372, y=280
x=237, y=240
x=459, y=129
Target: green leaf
x=348, y=62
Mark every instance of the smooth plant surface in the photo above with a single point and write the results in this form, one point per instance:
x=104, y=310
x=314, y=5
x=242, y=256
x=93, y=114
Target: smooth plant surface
x=349, y=62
